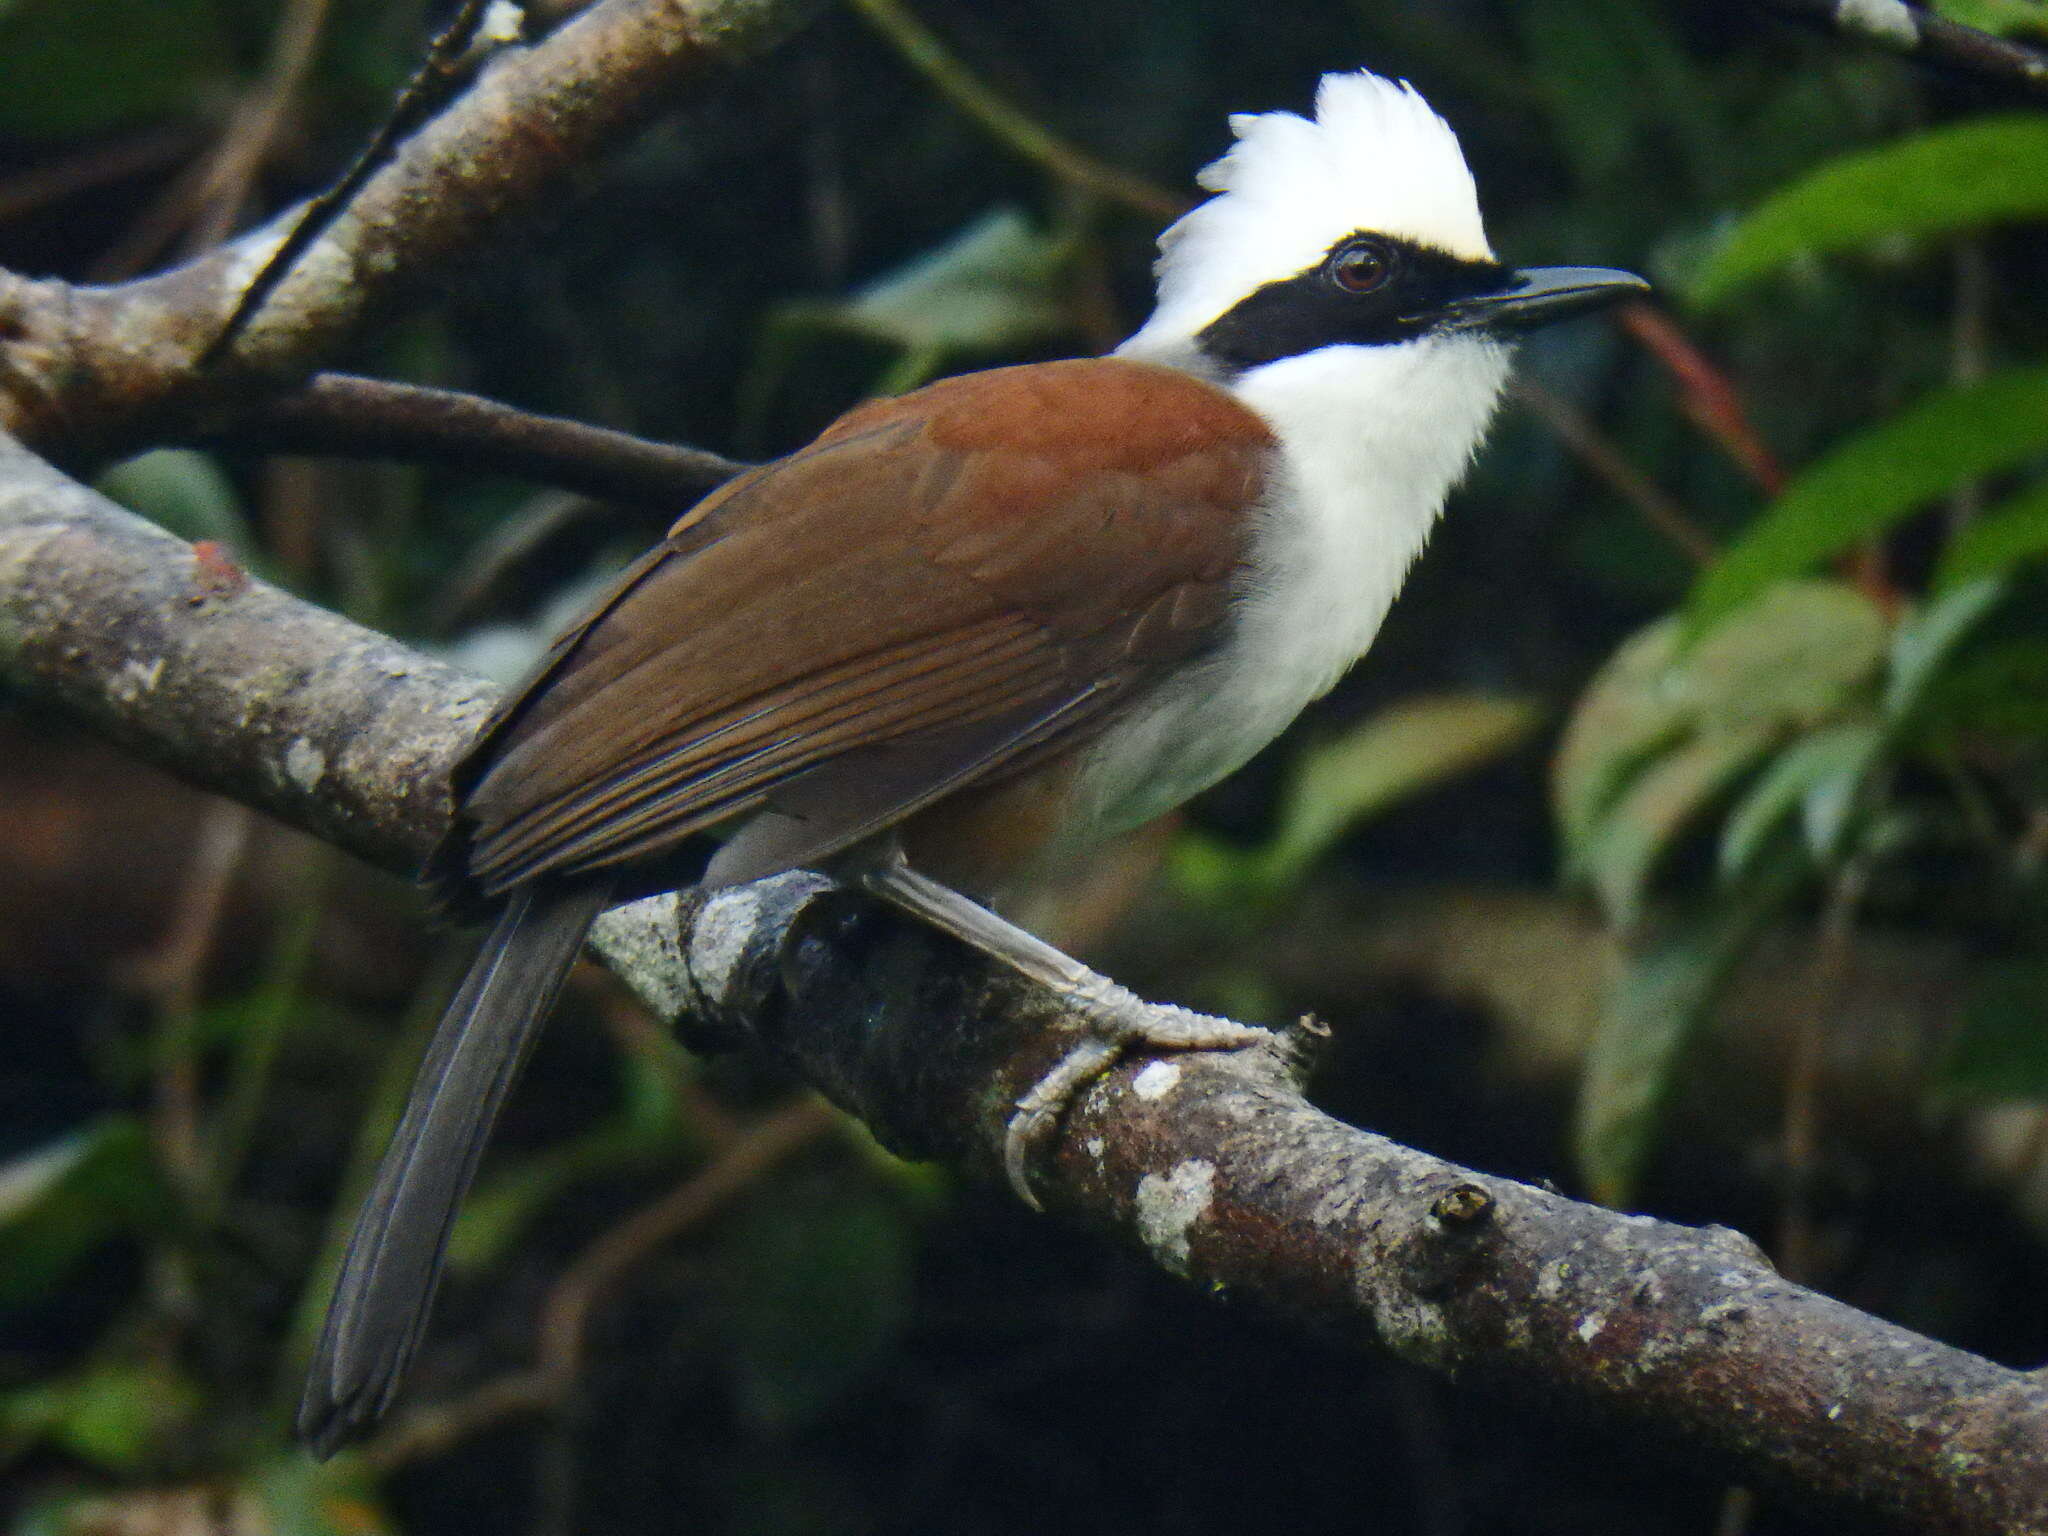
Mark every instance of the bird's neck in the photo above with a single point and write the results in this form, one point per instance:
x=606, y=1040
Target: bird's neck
x=1373, y=439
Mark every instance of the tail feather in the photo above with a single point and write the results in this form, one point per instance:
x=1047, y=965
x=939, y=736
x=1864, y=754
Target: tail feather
x=386, y=1286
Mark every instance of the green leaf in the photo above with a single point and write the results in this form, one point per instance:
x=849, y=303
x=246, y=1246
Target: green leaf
x=2001, y=1051
x=993, y=286
x=87, y=66
x=1816, y=765
x=1827, y=811
x=1628, y=713
x=115, y=1415
x=1929, y=637
x=2013, y=533
x=1945, y=440
x=184, y=492
x=2001, y=18
x=1810, y=651
x=1654, y=1009
x=63, y=1200
x=1989, y=170
x=1662, y=733
x=1400, y=751
x=303, y=1497
x=1622, y=851
x=996, y=286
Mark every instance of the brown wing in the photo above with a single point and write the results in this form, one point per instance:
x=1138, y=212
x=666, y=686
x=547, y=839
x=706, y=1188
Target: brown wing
x=939, y=587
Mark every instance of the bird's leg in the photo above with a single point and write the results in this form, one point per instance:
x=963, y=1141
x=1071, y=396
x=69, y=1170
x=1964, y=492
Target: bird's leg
x=1117, y=1017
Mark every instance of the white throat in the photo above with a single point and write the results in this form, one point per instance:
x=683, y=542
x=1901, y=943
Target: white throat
x=1371, y=441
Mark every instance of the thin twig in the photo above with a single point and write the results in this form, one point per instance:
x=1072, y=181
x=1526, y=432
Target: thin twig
x=259, y=1043
x=1597, y=452
x=753, y=1153
x=431, y=86
x=1014, y=128
x=207, y=198
x=259, y=123
x=1710, y=399
x=176, y=975
x=152, y=230
x=54, y=180
x=1805, y=1072
x=427, y=1432
x=1713, y=402
x=638, y=1034
x=1919, y=34
x=377, y=1119
x=565, y=1317
x=90, y=374
x=352, y=417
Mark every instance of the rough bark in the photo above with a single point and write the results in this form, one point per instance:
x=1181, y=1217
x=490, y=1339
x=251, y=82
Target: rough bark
x=1921, y=34
x=223, y=679
x=1214, y=1165
x=90, y=372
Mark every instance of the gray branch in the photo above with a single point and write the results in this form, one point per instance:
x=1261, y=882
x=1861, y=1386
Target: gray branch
x=1897, y=27
x=88, y=373
x=1214, y=1165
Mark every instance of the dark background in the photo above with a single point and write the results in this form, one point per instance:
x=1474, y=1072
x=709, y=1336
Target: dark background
x=198, y=1008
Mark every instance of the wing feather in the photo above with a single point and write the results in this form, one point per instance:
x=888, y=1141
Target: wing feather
x=944, y=586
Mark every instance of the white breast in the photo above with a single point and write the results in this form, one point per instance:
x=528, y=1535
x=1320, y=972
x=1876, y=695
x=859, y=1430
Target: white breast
x=1372, y=440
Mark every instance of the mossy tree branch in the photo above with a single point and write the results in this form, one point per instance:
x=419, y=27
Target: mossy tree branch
x=1215, y=1165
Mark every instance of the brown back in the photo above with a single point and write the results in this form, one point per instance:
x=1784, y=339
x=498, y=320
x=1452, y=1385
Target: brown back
x=941, y=588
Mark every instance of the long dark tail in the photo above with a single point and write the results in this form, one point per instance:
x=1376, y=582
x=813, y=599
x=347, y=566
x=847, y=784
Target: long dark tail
x=386, y=1285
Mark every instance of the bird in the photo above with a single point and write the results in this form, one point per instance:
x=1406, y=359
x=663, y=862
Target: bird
x=974, y=629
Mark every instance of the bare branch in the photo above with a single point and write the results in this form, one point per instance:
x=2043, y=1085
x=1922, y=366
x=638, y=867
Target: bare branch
x=320, y=722
x=52, y=181
x=1918, y=34
x=342, y=414
x=1594, y=449
x=756, y=1152
x=752, y=1154
x=1016, y=130
x=1709, y=397
x=85, y=372
x=1215, y=1165
x=430, y=87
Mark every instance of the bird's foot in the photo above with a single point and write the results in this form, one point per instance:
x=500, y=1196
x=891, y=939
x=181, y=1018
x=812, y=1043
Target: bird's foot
x=1117, y=1022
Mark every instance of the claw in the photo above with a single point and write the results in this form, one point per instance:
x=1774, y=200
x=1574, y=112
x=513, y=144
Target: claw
x=1039, y=1110
x=1117, y=1022
x=1115, y=1018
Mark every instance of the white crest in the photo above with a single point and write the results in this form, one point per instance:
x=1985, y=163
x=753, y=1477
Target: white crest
x=1375, y=157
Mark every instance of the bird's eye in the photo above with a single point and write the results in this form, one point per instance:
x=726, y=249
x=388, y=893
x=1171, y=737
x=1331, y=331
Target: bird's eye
x=1362, y=266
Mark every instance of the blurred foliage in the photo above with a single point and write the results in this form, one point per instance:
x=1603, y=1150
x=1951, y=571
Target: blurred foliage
x=1839, y=724
x=64, y=1199
x=1943, y=182
x=1332, y=786
x=1862, y=488
x=990, y=290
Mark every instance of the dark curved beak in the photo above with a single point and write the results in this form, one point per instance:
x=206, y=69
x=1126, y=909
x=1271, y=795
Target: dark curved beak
x=1539, y=295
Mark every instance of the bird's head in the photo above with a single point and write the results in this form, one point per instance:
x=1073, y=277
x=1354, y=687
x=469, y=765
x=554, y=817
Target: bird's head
x=1358, y=227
